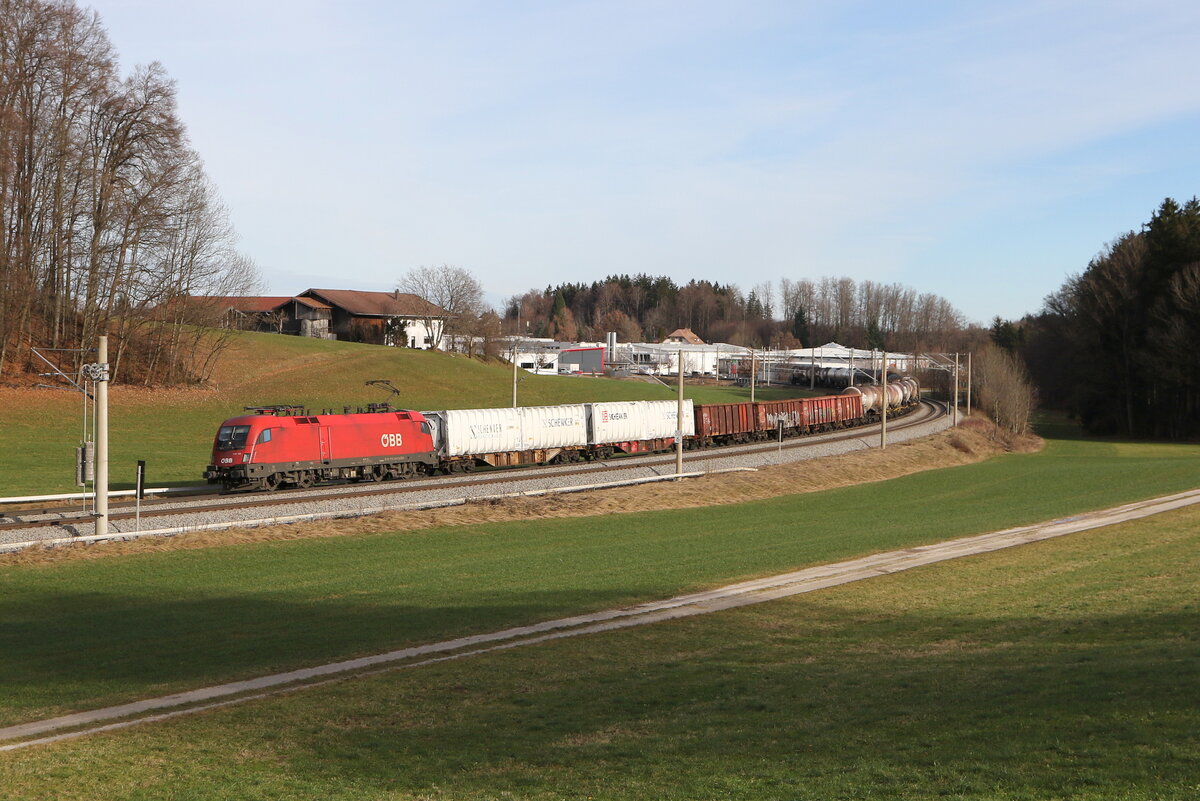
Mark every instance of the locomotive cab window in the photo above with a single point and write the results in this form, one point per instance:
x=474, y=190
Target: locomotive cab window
x=232, y=438
x=263, y=436
x=425, y=428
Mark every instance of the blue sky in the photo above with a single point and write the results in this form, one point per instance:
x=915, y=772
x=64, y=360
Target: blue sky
x=982, y=151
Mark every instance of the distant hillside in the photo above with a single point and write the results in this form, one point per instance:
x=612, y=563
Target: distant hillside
x=269, y=368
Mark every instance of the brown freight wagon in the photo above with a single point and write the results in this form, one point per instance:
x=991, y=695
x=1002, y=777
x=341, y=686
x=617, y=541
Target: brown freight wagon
x=724, y=422
x=834, y=411
x=809, y=414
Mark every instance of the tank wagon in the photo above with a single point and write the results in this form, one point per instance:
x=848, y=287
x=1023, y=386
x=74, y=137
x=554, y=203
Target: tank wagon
x=899, y=394
x=273, y=446
x=838, y=377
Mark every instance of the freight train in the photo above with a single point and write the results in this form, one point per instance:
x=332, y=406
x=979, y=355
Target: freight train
x=274, y=446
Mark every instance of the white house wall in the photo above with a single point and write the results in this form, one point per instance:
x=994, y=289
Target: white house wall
x=416, y=333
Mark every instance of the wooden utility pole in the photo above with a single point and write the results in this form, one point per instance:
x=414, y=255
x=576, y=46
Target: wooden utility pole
x=679, y=422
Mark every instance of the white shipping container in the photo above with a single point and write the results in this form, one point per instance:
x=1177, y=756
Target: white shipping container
x=467, y=431
x=545, y=427
x=638, y=420
x=527, y=428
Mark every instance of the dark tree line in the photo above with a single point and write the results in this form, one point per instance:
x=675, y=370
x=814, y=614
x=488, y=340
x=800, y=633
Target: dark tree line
x=1118, y=344
x=106, y=215
x=793, y=314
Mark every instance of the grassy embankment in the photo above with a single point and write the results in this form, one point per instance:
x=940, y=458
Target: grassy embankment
x=1066, y=669
x=173, y=429
x=85, y=634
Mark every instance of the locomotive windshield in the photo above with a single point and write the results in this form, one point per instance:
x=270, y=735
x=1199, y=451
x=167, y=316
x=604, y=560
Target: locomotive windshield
x=232, y=438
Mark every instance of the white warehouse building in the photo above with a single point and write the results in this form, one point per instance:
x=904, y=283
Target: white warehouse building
x=663, y=359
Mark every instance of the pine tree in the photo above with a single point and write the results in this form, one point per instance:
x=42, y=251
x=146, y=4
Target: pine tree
x=800, y=327
x=875, y=337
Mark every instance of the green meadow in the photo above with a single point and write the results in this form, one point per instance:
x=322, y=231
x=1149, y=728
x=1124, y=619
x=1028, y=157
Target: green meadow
x=90, y=633
x=1068, y=669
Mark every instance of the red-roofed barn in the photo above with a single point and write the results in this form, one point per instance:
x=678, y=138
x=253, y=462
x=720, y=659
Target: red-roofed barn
x=384, y=318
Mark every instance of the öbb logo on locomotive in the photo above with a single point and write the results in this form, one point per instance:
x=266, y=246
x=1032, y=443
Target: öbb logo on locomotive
x=387, y=443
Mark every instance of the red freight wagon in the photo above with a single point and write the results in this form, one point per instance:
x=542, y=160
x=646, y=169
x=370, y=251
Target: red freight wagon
x=264, y=450
x=792, y=413
x=808, y=414
x=724, y=422
x=833, y=411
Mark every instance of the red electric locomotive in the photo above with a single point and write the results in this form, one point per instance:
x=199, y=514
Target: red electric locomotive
x=277, y=445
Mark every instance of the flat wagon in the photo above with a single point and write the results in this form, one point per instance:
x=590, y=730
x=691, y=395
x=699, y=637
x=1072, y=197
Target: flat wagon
x=504, y=437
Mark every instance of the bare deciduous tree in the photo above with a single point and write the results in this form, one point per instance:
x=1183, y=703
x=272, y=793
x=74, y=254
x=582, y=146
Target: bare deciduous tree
x=105, y=212
x=1004, y=389
x=453, y=289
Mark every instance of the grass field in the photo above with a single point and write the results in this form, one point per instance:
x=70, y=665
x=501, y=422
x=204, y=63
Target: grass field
x=1064, y=670
x=87, y=634
x=172, y=430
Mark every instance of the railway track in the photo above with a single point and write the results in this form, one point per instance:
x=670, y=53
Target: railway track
x=69, y=519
